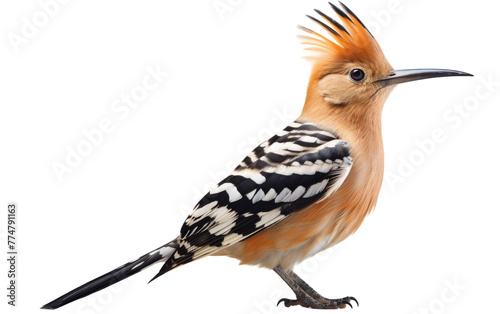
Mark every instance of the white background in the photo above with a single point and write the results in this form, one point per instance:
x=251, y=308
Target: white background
x=234, y=77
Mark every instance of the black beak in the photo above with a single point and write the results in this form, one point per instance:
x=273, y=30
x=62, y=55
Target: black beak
x=403, y=76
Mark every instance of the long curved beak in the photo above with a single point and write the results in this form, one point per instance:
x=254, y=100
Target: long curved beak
x=403, y=76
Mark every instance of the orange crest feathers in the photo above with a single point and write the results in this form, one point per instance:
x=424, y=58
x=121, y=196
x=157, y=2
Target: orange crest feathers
x=351, y=41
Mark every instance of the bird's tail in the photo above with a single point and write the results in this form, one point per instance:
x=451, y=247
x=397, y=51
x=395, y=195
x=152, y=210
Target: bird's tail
x=160, y=254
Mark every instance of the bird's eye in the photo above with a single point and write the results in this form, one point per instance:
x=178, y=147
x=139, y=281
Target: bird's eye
x=357, y=75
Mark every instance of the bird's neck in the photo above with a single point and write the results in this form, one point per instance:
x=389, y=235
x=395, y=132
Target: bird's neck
x=357, y=124
x=360, y=126
x=354, y=123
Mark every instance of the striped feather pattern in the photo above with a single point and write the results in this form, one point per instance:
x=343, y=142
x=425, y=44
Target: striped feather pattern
x=295, y=168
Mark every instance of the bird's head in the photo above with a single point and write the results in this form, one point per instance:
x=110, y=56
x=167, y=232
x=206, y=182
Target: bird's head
x=350, y=72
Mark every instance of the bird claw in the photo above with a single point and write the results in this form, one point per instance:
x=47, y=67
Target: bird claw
x=287, y=302
x=281, y=300
x=353, y=299
x=332, y=304
x=346, y=301
x=307, y=297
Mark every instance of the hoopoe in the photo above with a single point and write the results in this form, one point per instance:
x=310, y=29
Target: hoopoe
x=309, y=186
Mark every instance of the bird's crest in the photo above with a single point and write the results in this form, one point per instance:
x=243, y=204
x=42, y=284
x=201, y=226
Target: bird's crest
x=350, y=41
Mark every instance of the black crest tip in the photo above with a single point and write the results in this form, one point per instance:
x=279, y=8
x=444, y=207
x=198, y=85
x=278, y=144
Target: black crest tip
x=354, y=15
x=329, y=19
x=328, y=28
x=340, y=12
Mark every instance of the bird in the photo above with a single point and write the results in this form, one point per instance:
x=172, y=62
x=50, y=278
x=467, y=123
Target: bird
x=308, y=187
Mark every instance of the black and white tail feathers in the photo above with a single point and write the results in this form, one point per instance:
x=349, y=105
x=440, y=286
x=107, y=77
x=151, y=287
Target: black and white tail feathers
x=160, y=254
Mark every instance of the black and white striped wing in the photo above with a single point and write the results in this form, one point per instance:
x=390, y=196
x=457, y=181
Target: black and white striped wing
x=297, y=167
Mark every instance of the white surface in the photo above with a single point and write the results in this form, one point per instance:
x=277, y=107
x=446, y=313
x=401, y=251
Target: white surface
x=232, y=82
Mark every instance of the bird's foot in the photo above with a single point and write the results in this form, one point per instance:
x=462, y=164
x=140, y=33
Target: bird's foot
x=307, y=296
x=319, y=303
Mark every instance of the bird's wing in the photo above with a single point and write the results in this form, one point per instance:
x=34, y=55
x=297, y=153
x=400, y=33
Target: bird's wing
x=297, y=167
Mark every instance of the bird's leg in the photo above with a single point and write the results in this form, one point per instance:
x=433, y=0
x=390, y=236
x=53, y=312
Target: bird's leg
x=318, y=297
x=306, y=296
x=303, y=298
